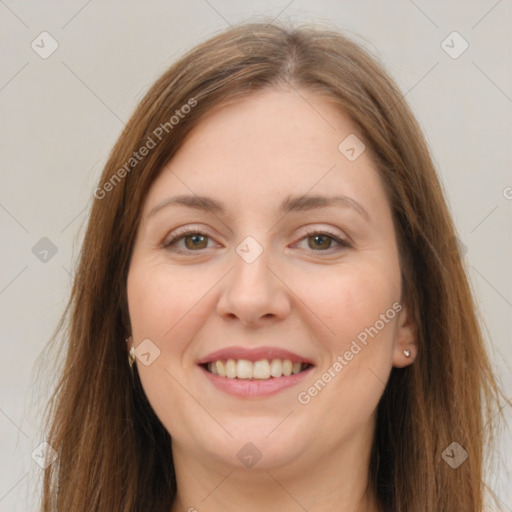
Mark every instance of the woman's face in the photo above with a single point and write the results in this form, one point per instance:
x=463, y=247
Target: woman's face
x=288, y=265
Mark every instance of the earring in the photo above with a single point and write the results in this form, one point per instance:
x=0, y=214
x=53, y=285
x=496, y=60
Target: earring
x=407, y=353
x=131, y=354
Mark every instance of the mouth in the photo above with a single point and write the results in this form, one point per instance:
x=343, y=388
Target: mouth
x=254, y=372
x=263, y=369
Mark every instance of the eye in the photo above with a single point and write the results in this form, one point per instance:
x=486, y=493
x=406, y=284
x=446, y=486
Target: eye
x=188, y=240
x=193, y=240
x=319, y=241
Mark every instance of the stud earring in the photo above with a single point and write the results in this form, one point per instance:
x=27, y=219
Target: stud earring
x=407, y=353
x=131, y=354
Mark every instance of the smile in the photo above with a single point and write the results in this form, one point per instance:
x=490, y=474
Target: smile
x=255, y=372
x=263, y=369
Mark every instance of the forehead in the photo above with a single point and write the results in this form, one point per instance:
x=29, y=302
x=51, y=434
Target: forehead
x=269, y=145
x=273, y=125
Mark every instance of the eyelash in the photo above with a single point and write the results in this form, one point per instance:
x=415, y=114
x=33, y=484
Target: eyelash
x=184, y=232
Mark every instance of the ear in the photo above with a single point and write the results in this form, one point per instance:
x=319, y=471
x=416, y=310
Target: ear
x=405, y=340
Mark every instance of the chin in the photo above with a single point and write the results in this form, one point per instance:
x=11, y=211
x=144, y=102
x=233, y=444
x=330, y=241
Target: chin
x=256, y=443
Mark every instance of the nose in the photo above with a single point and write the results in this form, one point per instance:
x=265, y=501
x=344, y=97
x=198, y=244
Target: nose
x=253, y=292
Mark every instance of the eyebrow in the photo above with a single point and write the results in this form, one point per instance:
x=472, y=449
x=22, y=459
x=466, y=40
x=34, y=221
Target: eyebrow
x=290, y=204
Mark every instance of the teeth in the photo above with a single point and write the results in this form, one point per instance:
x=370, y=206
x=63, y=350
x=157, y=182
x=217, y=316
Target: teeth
x=221, y=369
x=276, y=368
x=244, y=369
x=261, y=370
x=231, y=368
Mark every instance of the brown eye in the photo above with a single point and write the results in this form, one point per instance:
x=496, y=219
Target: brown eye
x=196, y=241
x=187, y=241
x=321, y=242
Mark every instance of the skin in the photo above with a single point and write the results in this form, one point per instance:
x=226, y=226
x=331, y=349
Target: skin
x=297, y=295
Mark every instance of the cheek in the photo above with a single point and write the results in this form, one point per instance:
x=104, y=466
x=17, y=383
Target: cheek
x=161, y=303
x=165, y=307
x=360, y=305
x=352, y=299
x=360, y=350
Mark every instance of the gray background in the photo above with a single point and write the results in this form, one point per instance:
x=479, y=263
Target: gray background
x=61, y=115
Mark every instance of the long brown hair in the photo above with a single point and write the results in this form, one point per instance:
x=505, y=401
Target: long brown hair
x=114, y=453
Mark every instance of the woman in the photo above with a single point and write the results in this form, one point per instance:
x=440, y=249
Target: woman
x=271, y=240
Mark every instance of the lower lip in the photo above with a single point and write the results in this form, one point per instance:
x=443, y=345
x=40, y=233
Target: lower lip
x=247, y=388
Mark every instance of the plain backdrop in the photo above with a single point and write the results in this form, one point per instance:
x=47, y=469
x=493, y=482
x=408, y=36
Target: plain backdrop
x=60, y=116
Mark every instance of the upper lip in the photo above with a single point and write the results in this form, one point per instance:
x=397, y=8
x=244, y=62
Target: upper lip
x=254, y=354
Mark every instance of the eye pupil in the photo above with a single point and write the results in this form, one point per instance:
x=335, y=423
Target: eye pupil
x=194, y=241
x=319, y=239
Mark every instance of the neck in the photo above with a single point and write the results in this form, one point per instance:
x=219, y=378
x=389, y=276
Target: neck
x=334, y=481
